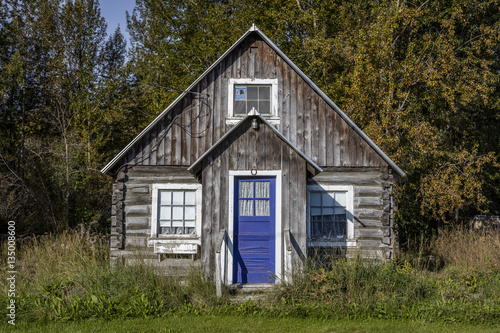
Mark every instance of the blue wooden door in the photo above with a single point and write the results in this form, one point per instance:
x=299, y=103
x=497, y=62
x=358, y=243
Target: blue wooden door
x=254, y=230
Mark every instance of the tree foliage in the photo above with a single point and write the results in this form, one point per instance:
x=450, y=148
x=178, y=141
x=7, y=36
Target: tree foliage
x=420, y=78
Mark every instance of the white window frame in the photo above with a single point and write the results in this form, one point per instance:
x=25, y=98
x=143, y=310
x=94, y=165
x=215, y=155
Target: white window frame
x=233, y=119
x=280, y=276
x=180, y=239
x=350, y=241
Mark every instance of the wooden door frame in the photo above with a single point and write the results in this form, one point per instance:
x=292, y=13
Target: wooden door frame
x=278, y=229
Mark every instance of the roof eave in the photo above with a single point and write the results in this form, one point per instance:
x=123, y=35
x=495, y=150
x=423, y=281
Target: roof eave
x=122, y=153
x=313, y=167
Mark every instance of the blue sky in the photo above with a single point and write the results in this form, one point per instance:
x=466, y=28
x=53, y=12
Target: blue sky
x=114, y=13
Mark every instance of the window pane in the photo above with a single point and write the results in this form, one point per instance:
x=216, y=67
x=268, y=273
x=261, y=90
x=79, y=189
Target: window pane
x=262, y=189
x=190, y=198
x=164, y=230
x=328, y=216
x=327, y=212
x=189, y=212
x=315, y=198
x=165, y=223
x=339, y=211
x=177, y=223
x=340, y=199
x=253, y=93
x=165, y=197
x=329, y=230
x=262, y=207
x=264, y=107
x=246, y=208
x=315, y=211
x=240, y=93
x=264, y=93
x=316, y=229
x=246, y=190
x=178, y=230
x=178, y=198
x=328, y=199
x=189, y=231
x=341, y=229
x=177, y=213
x=252, y=104
x=165, y=213
x=189, y=224
x=240, y=107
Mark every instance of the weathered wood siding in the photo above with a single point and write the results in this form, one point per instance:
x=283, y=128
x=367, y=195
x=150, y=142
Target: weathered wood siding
x=248, y=149
x=199, y=120
x=131, y=210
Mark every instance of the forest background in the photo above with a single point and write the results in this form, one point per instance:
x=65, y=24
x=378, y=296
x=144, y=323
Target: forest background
x=420, y=78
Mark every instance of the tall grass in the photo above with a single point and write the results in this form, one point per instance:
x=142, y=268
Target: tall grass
x=68, y=277
x=466, y=248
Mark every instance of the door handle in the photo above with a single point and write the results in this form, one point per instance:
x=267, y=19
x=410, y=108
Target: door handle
x=235, y=235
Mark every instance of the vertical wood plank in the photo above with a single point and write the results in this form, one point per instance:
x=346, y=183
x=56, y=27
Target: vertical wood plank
x=285, y=186
x=293, y=107
x=233, y=152
x=185, y=135
x=337, y=133
x=146, y=149
x=215, y=201
x=283, y=102
x=330, y=129
x=322, y=132
x=168, y=139
x=251, y=60
x=300, y=113
x=315, y=132
x=263, y=148
x=217, y=112
x=178, y=134
x=206, y=237
x=210, y=90
x=224, y=187
x=308, y=133
x=204, y=113
x=345, y=144
x=153, y=148
x=160, y=160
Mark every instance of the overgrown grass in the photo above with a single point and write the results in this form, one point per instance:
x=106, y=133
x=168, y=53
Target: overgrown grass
x=68, y=277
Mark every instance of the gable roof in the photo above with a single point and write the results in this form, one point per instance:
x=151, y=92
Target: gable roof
x=254, y=29
x=311, y=166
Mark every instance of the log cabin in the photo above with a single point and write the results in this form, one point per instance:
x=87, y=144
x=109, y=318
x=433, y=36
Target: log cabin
x=248, y=172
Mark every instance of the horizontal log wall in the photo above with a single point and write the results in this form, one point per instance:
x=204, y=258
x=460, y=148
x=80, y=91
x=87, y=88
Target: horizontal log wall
x=373, y=227
x=131, y=214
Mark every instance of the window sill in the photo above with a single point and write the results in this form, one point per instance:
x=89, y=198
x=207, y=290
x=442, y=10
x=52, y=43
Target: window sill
x=175, y=245
x=332, y=243
x=273, y=120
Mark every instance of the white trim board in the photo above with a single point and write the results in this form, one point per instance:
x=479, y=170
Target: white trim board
x=231, y=119
x=278, y=230
x=349, y=189
x=174, y=238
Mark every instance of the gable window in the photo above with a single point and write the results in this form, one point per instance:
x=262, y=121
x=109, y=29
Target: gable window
x=246, y=94
x=252, y=96
x=329, y=213
x=176, y=210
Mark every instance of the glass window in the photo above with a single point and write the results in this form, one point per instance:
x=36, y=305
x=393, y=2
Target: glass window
x=247, y=97
x=327, y=215
x=176, y=211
